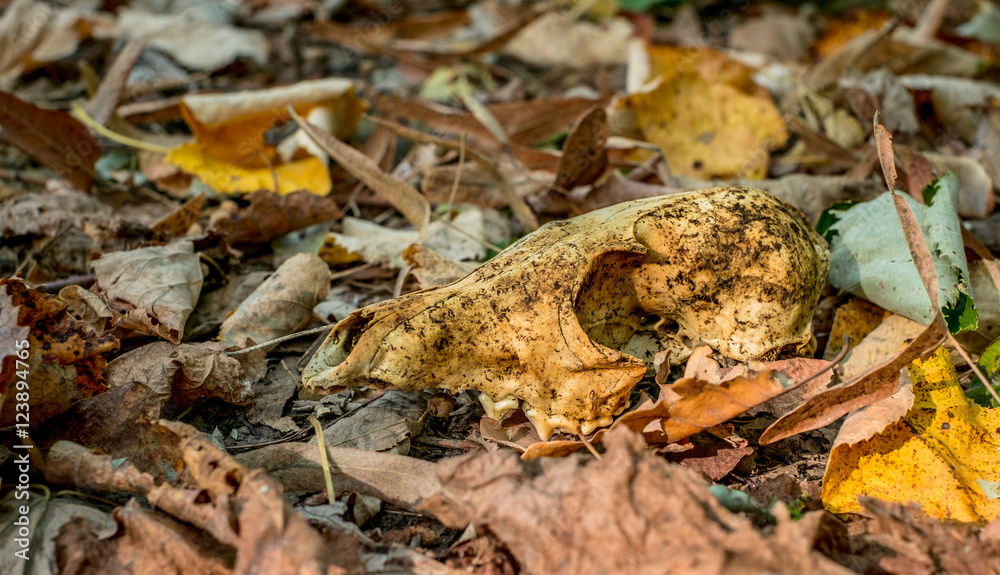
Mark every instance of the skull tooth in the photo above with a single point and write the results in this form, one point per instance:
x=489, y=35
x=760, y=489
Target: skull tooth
x=543, y=424
x=589, y=425
x=496, y=408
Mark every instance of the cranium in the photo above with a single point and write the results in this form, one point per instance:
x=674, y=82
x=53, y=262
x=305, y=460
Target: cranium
x=547, y=324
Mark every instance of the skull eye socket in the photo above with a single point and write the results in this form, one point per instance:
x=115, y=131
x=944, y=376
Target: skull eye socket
x=648, y=320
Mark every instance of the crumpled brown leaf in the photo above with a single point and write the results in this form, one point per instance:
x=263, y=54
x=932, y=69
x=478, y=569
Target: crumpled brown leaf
x=65, y=358
x=922, y=544
x=190, y=372
x=242, y=513
x=152, y=290
x=282, y=304
x=47, y=514
x=630, y=512
x=140, y=384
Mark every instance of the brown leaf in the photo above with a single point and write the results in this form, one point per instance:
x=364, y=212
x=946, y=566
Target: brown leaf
x=584, y=157
x=696, y=405
x=630, y=512
x=52, y=137
x=271, y=216
x=108, y=422
x=176, y=223
x=877, y=383
x=243, y=511
x=282, y=304
x=401, y=480
x=190, y=372
x=153, y=290
x=922, y=544
x=917, y=170
x=178, y=548
x=716, y=459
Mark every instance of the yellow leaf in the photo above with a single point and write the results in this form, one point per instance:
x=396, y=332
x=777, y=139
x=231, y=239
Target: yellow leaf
x=706, y=115
x=942, y=454
x=309, y=174
x=233, y=152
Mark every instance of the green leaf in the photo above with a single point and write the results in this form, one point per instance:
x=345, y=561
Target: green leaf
x=830, y=216
x=645, y=5
x=869, y=256
x=989, y=364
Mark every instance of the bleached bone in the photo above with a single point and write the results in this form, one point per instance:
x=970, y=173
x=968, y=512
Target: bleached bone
x=548, y=323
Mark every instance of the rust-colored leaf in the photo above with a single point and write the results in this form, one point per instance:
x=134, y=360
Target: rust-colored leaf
x=271, y=216
x=52, y=137
x=66, y=359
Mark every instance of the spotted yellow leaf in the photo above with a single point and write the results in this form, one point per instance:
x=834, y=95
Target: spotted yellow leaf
x=942, y=452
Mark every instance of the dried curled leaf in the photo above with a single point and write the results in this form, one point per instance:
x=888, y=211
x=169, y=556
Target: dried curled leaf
x=282, y=304
x=61, y=358
x=152, y=290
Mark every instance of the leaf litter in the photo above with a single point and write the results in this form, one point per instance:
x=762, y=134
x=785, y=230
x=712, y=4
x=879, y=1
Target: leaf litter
x=373, y=151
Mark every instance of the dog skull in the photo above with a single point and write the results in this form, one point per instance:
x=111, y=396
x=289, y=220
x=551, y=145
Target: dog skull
x=548, y=323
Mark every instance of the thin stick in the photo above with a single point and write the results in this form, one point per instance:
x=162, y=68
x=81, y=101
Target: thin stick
x=323, y=457
x=279, y=340
x=588, y=445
